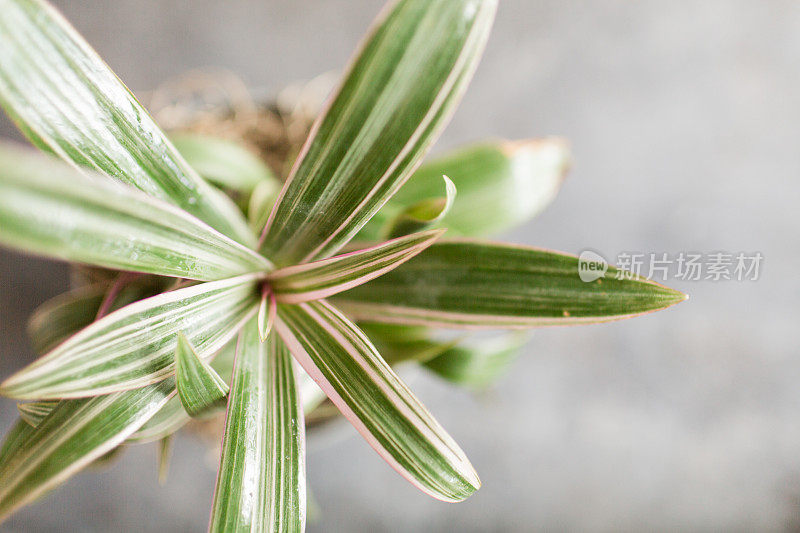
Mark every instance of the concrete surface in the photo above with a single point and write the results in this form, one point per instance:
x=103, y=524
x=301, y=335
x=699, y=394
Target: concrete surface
x=684, y=122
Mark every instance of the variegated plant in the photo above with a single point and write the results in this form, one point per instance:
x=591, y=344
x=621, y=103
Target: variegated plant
x=189, y=304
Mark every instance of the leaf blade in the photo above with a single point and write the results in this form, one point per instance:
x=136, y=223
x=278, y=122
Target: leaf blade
x=223, y=162
x=135, y=345
x=473, y=284
x=261, y=481
x=397, y=96
x=72, y=436
x=67, y=101
x=201, y=390
x=35, y=412
x=324, y=278
x=347, y=367
x=49, y=208
x=500, y=184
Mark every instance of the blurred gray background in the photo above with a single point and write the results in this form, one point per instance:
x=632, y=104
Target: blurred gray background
x=684, y=122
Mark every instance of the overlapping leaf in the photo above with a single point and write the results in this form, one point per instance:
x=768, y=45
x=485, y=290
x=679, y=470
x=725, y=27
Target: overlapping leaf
x=396, y=97
x=49, y=208
x=60, y=317
x=201, y=390
x=67, y=101
x=484, y=285
x=479, y=362
x=35, y=412
x=169, y=419
x=320, y=279
x=72, y=436
x=135, y=346
x=347, y=367
x=225, y=163
x=261, y=481
x=500, y=185
x=173, y=416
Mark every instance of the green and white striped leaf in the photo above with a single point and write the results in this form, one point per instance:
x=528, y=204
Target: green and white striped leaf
x=67, y=101
x=49, y=208
x=423, y=214
x=320, y=279
x=398, y=94
x=345, y=364
x=135, y=346
x=484, y=285
x=201, y=390
x=261, y=479
x=72, y=436
x=500, y=185
x=224, y=163
x=173, y=416
x=35, y=412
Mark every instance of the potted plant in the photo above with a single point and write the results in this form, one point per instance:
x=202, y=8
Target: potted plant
x=252, y=299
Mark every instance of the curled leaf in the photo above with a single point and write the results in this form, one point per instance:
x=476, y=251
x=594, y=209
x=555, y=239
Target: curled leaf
x=423, y=214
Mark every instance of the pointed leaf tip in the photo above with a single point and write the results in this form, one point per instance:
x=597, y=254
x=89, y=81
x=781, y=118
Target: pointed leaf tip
x=321, y=279
x=202, y=391
x=396, y=98
x=337, y=354
x=474, y=284
x=266, y=314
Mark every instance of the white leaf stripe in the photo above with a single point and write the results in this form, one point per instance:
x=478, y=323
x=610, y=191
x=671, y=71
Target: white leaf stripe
x=201, y=390
x=67, y=100
x=320, y=279
x=402, y=86
x=72, y=436
x=261, y=481
x=345, y=364
x=135, y=345
x=49, y=208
